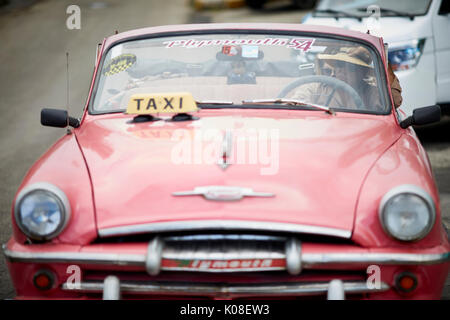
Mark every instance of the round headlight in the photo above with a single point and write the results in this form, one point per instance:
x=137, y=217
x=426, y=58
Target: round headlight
x=41, y=211
x=407, y=213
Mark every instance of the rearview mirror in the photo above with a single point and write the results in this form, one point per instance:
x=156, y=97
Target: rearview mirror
x=423, y=116
x=239, y=53
x=57, y=118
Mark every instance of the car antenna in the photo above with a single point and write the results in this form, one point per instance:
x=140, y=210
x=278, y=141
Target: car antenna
x=67, y=92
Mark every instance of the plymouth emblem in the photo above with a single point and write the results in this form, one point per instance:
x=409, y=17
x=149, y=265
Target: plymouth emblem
x=223, y=193
x=224, y=265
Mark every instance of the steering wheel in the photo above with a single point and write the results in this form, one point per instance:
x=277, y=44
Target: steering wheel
x=331, y=81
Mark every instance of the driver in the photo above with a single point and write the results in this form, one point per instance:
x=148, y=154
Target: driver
x=350, y=65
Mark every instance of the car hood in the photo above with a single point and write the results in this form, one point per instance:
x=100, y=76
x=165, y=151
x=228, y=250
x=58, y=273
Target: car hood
x=313, y=164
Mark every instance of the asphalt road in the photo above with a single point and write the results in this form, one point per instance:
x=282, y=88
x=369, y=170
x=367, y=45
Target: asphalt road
x=34, y=41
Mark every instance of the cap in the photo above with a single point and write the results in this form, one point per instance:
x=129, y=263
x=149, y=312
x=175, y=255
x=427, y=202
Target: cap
x=355, y=55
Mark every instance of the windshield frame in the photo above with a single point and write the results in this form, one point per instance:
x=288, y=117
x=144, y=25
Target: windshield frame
x=365, y=15
x=380, y=71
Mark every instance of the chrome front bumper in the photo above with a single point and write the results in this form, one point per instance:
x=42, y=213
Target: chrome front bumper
x=154, y=256
x=296, y=255
x=112, y=288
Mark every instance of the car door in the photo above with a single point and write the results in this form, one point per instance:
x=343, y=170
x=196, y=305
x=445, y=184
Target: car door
x=441, y=30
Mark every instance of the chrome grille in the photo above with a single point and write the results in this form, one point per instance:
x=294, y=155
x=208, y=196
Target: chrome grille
x=221, y=247
x=223, y=253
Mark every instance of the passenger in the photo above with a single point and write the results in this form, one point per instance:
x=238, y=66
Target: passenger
x=239, y=74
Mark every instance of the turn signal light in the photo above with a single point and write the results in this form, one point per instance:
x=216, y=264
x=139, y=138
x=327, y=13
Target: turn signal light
x=406, y=282
x=43, y=280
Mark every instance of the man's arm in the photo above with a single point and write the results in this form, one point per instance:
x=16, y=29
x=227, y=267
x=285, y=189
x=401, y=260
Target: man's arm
x=396, y=89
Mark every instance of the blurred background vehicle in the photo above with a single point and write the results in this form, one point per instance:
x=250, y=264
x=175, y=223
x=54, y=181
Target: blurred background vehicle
x=208, y=4
x=302, y=4
x=417, y=36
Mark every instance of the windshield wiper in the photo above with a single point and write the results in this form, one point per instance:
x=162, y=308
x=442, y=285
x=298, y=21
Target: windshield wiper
x=289, y=102
x=393, y=12
x=213, y=102
x=339, y=13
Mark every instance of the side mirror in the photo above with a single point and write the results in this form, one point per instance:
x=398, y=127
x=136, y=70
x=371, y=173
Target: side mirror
x=423, y=116
x=57, y=118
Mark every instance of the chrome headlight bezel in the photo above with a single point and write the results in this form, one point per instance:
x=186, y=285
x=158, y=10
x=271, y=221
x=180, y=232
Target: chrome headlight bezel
x=52, y=191
x=407, y=190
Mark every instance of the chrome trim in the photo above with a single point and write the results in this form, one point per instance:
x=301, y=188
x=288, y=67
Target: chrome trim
x=294, y=289
x=154, y=256
x=407, y=189
x=226, y=247
x=196, y=225
x=336, y=290
x=58, y=194
x=75, y=257
x=228, y=237
x=226, y=270
x=224, y=253
x=319, y=259
x=222, y=193
x=111, y=288
x=309, y=260
x=227, y=146
x=293, y=256
x=243, y=255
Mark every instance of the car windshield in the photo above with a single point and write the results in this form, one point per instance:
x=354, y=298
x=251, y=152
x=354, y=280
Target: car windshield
x=389, y=7
x=229, y=70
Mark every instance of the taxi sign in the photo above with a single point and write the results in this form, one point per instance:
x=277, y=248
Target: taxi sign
x=180, y=102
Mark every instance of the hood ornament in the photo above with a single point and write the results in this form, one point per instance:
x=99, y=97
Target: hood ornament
x=223, y=193
x=227, y=146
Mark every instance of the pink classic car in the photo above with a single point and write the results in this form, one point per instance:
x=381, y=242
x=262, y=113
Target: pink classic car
x=233, y=161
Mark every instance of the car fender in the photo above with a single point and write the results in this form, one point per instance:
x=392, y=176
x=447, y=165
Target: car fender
x=63, y=165
x=405, y=162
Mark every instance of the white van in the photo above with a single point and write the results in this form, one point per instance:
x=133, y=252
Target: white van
x=418, y=37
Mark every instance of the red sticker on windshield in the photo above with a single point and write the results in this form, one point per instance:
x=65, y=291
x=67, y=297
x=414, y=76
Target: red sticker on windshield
x=230, y=50
x=303, y=44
